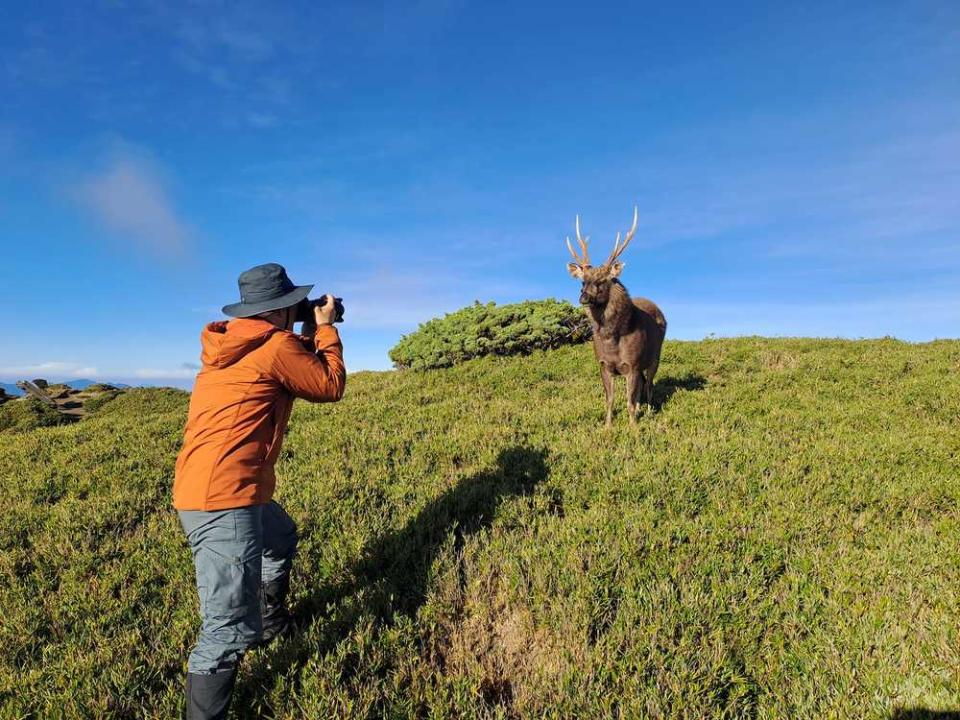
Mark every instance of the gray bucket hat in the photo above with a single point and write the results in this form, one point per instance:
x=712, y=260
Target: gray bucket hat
x=264, y=288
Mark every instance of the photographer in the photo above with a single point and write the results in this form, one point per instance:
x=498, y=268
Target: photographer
x=243, y=543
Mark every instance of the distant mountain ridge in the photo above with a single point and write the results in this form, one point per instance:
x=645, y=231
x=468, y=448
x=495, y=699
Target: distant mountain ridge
x=80, y=384
x=84, y=383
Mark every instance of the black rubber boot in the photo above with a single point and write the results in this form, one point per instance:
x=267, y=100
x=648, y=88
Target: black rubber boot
x=276, y=618
x=208, y=696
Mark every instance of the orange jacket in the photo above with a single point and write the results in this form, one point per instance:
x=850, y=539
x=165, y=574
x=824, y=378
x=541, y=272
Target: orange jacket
x=240, y=406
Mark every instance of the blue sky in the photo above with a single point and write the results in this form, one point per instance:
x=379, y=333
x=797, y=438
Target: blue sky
x=796, y=166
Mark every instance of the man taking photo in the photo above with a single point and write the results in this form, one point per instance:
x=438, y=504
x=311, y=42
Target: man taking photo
x=242, y=541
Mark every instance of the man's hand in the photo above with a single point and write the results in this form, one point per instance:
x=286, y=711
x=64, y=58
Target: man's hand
x=324, y=314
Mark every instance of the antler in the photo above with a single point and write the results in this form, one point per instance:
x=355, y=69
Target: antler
x=582, y=241
x=617, y=247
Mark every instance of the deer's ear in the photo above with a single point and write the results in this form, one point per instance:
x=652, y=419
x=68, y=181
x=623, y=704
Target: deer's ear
x=615, y=269
x=575, y=270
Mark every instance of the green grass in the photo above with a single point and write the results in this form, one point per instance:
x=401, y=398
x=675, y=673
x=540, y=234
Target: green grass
x=780, y=540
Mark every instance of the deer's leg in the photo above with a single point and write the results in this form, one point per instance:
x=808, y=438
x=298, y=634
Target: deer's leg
x=607, y=378
x=651, y=371
x=634, y=383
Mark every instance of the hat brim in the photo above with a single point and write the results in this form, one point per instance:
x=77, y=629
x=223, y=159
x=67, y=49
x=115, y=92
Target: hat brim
x=242, y=309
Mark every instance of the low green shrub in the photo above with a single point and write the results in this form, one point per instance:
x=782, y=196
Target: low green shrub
x=93, y=404
x=58, y=390
x=101, y=387
x=479, y=330
x=28, y=414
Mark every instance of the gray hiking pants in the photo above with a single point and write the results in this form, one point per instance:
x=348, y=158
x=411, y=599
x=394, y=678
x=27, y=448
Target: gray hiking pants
x=234, y=552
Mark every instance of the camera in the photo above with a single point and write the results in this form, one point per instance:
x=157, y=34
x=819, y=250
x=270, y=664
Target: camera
x=306, y=306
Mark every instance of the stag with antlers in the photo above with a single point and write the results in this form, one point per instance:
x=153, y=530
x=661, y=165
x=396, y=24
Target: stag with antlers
x=627, y=332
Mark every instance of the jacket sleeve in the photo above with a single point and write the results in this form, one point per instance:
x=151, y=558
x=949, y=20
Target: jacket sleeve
x=317, y=376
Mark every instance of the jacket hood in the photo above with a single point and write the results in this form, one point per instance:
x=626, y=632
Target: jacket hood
x=225, y=342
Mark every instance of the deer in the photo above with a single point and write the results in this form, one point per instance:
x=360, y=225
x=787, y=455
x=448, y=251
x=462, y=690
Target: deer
x=628, y=332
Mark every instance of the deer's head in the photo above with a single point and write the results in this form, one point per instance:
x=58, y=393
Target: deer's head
x=598, y=280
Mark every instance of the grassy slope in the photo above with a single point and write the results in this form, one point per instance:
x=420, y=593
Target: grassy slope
x=781, y=539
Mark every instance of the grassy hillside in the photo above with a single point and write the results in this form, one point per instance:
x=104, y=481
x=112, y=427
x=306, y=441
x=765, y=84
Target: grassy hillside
x=780, y=540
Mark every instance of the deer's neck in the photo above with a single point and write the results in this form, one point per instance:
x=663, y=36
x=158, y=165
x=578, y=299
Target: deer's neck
x=615, y=315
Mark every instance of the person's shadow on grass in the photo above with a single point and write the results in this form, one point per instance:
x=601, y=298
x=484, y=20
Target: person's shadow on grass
x=391, y=576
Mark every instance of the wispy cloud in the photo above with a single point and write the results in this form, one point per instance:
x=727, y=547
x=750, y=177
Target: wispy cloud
x=50, y=368
x=871, y=197
x=250, y=55
x=248, y=34
x=262, y=120
x=180, y=373
x=914, y=318
x=385, y=298
x=129, y=199
x=58, y=370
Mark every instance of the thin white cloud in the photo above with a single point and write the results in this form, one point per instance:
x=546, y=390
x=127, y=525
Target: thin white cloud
x=58, y=370
x=382, y=298
x=248, y=43
x=180, y=373
x=916, y=319
x=128, y=198
x=213, y=72
x=875, y=196
x=262, y=120
x=50, y=368
x=247, y=35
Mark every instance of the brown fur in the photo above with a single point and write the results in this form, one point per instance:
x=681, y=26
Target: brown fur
x=628, y=335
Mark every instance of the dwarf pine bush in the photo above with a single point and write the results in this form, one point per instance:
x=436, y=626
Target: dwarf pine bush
x=27, y=414
x=491, y=329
